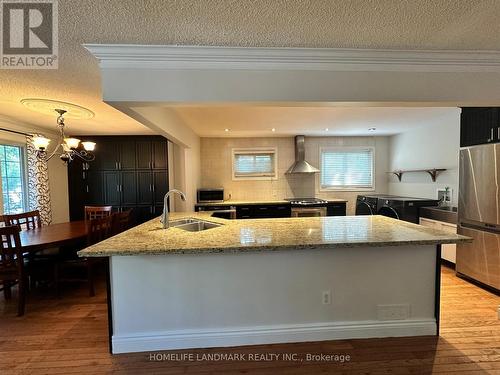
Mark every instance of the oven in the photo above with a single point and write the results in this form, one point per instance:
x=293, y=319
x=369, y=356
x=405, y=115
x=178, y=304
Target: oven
x=308, y=211
x=308, y=207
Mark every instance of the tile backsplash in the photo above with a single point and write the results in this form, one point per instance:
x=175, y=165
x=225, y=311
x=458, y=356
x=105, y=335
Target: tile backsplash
x=216, y=168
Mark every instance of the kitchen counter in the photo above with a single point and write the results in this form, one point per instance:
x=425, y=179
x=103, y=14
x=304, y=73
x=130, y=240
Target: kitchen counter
x=263, y=281
x=266, y=202
x=269, y=235
x=445, y=214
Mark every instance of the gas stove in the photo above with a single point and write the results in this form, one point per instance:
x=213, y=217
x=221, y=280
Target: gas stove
x=307, y=202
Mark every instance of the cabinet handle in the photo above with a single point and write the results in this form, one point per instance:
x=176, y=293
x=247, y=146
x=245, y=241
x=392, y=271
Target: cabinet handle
x=120, y=165
x=150, y=187
x=116, y=165
x=87, y=188
x=492, y=136
x=498, y=133
x=121, y=187
x=83, y=175
x=153, y=188
x=118, y=188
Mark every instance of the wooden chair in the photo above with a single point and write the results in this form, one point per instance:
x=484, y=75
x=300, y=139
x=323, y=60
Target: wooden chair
x=97, y=212
x=40, y=265
x=97, y=230
x=12, y=265
x=120, y=221
x=26, y=220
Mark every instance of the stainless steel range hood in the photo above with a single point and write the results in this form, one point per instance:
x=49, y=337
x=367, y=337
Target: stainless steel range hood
x=301, y=165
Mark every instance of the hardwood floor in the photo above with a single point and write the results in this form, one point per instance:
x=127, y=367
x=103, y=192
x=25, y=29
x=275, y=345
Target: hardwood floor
x=69, y=336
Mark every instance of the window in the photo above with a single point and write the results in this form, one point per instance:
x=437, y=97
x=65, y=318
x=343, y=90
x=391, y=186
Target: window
x=347, y=169
x=254, y=164
x=13, y=179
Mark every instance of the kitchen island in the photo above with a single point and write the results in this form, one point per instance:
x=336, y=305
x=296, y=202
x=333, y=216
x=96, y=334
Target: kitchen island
x=271, y=281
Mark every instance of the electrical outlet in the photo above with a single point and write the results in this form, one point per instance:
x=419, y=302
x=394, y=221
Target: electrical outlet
x=326, y=297
x=393, y=312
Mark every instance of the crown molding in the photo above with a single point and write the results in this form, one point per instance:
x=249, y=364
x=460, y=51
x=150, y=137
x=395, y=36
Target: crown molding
x=174, y=57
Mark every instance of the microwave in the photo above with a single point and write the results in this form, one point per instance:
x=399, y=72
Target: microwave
x=215, y=195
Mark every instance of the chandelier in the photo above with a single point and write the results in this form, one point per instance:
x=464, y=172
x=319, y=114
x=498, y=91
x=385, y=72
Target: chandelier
x=67, y=148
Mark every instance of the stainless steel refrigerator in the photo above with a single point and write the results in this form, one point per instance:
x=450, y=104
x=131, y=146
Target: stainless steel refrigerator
x=479, y=214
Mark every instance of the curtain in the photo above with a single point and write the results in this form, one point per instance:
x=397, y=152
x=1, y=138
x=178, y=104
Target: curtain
x=38, y=183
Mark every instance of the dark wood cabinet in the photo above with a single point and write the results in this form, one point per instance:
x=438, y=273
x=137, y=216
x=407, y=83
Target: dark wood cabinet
x=479, y=125
x=336, y=209
x=263, y=211
x=127, y=173
x=268, y=211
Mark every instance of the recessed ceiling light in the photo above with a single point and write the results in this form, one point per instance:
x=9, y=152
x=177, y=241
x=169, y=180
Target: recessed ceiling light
x=326, y=129
x=372, y=129
x=226, y=129
x=273, y=129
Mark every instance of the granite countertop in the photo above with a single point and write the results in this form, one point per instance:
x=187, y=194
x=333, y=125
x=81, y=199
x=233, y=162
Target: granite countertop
x=236, y=203
x=268, y=235
x=231, y=202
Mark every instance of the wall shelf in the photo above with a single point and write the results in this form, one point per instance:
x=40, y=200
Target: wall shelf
x=433, y=172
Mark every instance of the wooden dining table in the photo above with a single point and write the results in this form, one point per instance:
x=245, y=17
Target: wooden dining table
x=53, y=235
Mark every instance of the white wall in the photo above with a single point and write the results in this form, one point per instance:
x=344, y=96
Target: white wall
x=58, y=171
x=216, y=168
x=433, y=145
x=269, y=296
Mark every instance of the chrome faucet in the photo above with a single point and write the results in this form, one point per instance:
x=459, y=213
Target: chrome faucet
x=164, y=215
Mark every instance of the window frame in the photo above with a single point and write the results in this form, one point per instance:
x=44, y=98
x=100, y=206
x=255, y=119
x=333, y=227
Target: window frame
x=24, y=173
x=347, y=188
x=254, y=151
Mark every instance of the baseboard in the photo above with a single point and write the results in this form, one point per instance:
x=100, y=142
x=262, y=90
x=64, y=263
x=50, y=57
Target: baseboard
x=238, y=336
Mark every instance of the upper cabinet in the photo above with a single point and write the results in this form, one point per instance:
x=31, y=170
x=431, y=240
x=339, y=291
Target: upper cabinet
x=151, y=154
x=479, y=125
x=114, y=154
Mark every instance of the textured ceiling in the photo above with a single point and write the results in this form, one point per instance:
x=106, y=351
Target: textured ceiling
x=399, y=24
x=246, y=121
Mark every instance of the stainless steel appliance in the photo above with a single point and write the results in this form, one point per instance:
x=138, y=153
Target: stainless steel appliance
x=222, y=211
x=308, y=207
x=479, y=214
x=210, y=195
x=300, y=165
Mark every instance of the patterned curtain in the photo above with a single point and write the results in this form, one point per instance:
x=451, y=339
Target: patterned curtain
x=38, y=183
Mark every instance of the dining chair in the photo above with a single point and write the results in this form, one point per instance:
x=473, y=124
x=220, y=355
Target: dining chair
x=12, y=265
x=40, y=264
x=120, y=221
x=97, y=212
x=26, y=220
x=97, y=230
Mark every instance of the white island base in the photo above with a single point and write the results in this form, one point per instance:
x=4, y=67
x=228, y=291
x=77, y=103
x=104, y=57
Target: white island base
x=179, y=301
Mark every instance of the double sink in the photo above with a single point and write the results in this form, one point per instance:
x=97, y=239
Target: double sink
x=193, y=225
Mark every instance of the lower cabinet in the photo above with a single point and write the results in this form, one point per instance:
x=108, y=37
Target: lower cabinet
x=448, y=251
x=336, y=209
x=264, y=211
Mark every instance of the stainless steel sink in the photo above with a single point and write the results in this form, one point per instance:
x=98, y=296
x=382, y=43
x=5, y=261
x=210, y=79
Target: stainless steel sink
x=193, y=225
